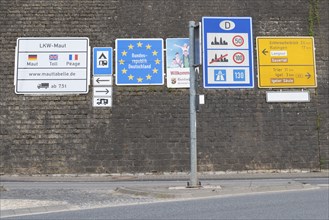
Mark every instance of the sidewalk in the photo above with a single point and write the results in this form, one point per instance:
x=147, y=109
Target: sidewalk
x=62, y=192
x=221, y=175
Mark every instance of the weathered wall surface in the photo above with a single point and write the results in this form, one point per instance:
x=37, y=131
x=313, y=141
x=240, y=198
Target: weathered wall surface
x=147, y=129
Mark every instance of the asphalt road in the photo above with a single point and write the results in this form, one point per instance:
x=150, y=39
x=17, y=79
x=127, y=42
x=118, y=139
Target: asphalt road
x=305, y=204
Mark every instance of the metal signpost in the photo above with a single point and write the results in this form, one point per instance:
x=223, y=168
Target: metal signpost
x=286, y=62
x=227, y=52
x=139, y=62
x=102, y=76
x=193, y=90
x=227, y=63
x=52, y=66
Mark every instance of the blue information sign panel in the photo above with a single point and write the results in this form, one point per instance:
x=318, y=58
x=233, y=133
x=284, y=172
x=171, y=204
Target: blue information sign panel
x=102, y=60
x=139, y=62
x=227, y=52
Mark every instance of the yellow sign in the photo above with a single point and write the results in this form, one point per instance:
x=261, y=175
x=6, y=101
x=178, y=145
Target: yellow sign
x=286, y=62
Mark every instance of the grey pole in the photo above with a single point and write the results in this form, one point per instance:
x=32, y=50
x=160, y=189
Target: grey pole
x=193, y=89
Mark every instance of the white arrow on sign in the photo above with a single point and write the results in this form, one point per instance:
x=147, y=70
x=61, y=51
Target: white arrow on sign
x=103, y=81
x=103, y=91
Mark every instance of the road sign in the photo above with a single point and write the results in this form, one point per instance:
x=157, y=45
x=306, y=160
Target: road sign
x=139, y=62
x=288, y=96
x=227, y=52
x=102, y=81
x=103, y=62
x=102, y=96
x=102, y=102
x=52, y=66
x=286, y=62
x=103, y=91
x=178, y=62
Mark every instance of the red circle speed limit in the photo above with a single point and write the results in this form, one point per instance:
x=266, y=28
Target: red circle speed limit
x=238, y=40
x=238, y=57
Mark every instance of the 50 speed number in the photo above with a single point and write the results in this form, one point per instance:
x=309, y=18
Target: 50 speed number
x=238, y=40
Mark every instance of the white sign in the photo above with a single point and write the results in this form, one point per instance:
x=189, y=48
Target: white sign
x=52, y=66
x=178, y=63
x=103, y=91
x=102, y=102
x=288, y=96
x=201, y=100
x=102, y=81
x=102, y=96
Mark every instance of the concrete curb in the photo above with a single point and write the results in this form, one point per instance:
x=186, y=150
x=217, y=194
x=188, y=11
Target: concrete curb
x=34, y=210
x=270, y=174
x=141, y=192
x=208, y=191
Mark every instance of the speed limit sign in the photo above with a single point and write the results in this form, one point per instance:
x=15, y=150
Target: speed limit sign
x=238, y=57
x=227, y=52
x=238, y=40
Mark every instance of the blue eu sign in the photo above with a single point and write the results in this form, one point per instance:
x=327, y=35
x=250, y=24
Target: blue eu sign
x=139, y=62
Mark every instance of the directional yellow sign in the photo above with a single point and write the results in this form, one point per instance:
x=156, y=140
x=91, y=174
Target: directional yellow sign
x=286, y=62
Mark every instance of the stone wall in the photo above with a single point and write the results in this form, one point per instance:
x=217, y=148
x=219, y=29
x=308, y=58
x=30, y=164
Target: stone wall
x=147, y=129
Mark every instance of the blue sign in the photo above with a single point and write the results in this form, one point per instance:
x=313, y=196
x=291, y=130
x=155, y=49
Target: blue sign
x=139, y=62
x=102, y=64
x=227, y=52
x=220, y=75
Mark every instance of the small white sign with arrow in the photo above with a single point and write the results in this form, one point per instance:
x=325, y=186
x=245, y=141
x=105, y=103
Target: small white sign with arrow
x=103, y=91
x=103, y=81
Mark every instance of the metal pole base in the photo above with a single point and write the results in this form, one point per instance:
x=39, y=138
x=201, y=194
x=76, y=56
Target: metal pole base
x=190, y=185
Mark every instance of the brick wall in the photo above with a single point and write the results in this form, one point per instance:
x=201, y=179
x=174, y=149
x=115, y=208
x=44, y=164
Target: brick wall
x=147, y=129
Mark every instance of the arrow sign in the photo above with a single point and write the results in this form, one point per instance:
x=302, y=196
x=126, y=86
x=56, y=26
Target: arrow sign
x=103, y=81
x=98, y=80
x=103, y=91
x=296, y=59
